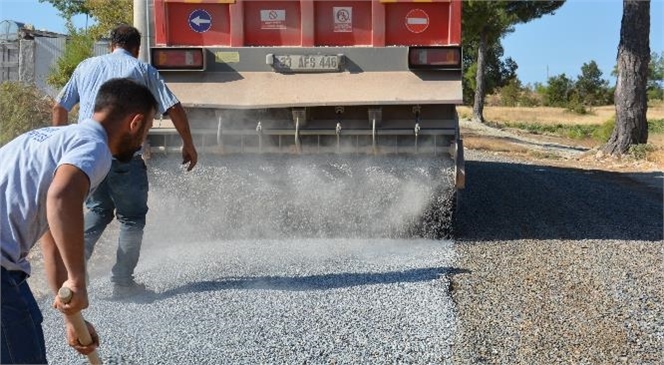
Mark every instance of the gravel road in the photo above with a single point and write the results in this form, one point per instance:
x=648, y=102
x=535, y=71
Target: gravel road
x=552, y=265
x=562, y=266
x=286, y=301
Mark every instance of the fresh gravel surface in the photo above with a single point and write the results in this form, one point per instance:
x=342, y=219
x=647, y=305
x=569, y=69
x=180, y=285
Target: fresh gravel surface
x=552, y=265
x=287, y=301
x=563, y=266
x=227, y=291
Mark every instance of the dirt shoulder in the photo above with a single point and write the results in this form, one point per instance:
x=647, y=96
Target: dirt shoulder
x=556, y=151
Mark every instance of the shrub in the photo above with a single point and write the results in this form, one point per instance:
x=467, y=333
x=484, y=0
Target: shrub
x=575, y=105
x=22, y=108
x=78, y=48
x=640, y=151
x=656, y=126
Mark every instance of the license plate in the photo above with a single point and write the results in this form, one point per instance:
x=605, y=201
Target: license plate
x=307, y=63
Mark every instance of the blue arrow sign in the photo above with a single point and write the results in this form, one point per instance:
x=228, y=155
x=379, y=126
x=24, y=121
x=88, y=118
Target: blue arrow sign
x=200, y=21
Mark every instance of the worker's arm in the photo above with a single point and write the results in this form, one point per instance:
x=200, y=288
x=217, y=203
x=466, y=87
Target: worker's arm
x=179, y=118
x=64, y=211
x=59, y=115
x=56, y=273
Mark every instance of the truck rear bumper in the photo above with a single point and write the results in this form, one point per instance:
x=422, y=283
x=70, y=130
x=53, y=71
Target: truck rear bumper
x=256, y=90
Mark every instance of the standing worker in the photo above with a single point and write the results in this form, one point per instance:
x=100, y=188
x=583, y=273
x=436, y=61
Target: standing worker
x=125, y=189
x=45, y=176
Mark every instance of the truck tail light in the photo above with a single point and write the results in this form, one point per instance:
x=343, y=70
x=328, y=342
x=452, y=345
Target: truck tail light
x=434, y=58
x=185, y=59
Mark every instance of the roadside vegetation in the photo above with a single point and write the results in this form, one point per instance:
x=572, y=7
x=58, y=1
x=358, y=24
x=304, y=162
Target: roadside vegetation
x=22, y=108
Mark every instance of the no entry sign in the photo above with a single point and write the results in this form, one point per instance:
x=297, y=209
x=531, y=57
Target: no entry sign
x=417, y=20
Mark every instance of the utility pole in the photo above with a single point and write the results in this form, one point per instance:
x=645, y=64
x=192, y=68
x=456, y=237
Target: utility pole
x=140, y=22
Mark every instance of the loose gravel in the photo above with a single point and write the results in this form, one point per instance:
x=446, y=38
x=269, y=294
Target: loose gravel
x=241, y=274
x=552, y=265
x=563, y=266
x=287, y=301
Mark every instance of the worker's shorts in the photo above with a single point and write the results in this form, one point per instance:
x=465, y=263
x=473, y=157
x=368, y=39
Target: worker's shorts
x=22, y=335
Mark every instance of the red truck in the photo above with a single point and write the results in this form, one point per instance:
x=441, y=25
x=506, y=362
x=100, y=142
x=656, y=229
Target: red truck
x=311, y=76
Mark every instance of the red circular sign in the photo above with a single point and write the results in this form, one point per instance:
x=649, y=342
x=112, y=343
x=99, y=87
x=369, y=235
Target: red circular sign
x=417, y=21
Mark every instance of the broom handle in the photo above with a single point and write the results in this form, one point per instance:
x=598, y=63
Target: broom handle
x=80, y=327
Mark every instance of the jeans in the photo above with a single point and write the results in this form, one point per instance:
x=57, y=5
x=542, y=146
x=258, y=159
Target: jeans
x=125, y=191
x=22, y=335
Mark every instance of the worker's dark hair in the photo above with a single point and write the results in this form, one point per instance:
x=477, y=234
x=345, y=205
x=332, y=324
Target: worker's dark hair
x=122, y=97
x=125, y=36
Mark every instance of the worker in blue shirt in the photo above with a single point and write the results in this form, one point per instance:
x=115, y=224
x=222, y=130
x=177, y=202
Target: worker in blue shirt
x=45, y=176
x=125, y=190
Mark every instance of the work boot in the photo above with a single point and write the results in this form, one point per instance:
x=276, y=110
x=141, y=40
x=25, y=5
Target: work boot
x=132, y=290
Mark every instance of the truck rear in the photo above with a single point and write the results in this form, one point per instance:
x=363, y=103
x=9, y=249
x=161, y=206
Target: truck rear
x=301, y=77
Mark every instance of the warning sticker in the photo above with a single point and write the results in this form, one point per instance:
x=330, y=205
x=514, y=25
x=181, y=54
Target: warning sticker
x=343, y=19
x=273, y=19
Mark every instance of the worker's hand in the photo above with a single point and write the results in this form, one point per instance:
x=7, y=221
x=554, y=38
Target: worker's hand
x=78, y=301
x=72, y=339
x=189, y=155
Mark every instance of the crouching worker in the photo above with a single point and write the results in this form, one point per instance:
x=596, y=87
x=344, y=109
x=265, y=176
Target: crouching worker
x=45, y=176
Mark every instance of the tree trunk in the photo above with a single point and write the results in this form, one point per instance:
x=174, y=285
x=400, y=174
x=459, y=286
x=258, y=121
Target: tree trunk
x=478, y=106
x=630, y=96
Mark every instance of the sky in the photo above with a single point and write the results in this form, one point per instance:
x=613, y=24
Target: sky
x=579, y=32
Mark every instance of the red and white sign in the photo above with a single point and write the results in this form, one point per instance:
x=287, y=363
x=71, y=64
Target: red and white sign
x=343, y=19
x=417, y=21
x=273, y=19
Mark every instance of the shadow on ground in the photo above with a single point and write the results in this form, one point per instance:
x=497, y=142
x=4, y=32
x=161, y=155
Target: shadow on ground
x=505, y=201
x=307, y=283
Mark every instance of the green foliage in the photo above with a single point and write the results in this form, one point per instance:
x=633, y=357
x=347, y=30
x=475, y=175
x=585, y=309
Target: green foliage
x=656, y=126
x=602, y=133
x=558, y=91
x=656, y=77
x=78, y=48
x=109, y=14
x=510, y=94
x=492, y=20
x=22, y=108
x=641, y=151
x=590, y=86
x=575, y=105
x=68, y=8
x=497, y=73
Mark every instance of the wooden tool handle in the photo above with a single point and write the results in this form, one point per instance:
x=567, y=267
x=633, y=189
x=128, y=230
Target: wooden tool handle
x=80, y=327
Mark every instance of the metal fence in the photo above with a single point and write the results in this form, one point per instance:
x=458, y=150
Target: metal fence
x=31, y=61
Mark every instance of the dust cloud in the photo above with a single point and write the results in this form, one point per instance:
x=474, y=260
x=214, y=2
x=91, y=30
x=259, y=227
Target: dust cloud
x=286, y=197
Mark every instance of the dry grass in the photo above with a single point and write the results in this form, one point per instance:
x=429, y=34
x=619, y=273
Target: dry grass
x=547, y=115
x=492, y=144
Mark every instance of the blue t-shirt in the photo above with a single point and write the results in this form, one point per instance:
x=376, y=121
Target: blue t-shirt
x=90, y=74
x=27, y=167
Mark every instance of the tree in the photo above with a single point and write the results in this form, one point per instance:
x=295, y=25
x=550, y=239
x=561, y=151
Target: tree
x=69, y=8
x=498, y=72
x=656, y=76
x=510, y=94
x=558, y=91
x=109, y=14
x=78, y=47
x=485, y=22
x=590, y=86
x=630, y=96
